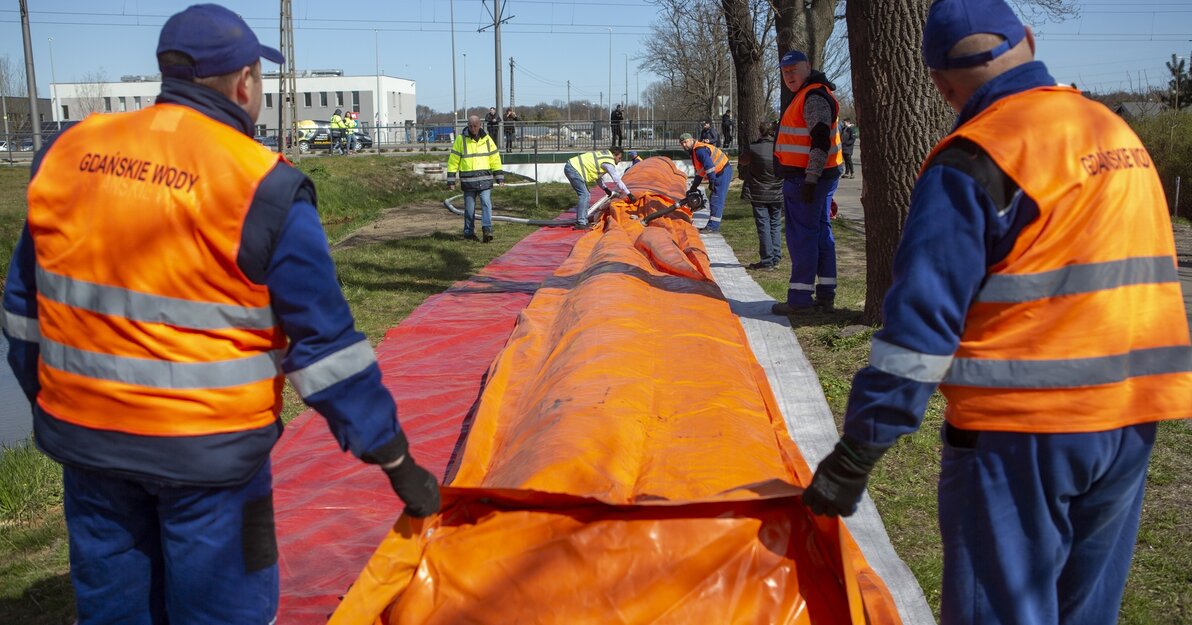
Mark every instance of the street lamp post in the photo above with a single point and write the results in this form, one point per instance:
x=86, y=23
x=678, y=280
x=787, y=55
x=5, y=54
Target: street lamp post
x=53, y=85
x=610, y=70
x=465, y=87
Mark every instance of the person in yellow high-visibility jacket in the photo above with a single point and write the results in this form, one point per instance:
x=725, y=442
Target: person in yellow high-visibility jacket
x=583, y=170
x=477, y=163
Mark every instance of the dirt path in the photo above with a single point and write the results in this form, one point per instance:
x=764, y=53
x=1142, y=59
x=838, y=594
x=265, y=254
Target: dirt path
x=403, y=222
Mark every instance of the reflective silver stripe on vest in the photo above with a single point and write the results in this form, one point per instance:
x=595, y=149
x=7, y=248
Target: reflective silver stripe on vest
x=22, y=328
x=1073, y=279
x=161, y=373
x=909, y=364
x=1069, y=373
x=793, y=130
x=331, y=369
x=120, y=302
x=802, y=149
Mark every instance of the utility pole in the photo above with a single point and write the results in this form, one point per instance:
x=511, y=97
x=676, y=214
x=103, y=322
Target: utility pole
x=497, y=20
x=626, y=100
x=454, y=103
x=610, y=73
x=288, y=84
x=568, y=100
x=511, y=99
x=30, y=78
x=377, y=111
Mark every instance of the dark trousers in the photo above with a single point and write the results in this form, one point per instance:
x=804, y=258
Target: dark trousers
x=810, y=243
x=1039, y=528
x=768, y=219
x=149, y=553
x=848, y=163
x=617, y=137
x=509, y=142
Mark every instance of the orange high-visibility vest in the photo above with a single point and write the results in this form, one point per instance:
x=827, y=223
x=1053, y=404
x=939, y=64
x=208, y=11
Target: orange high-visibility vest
x=148, y=327
x=1081, y=327
x=792, y=146
x=719, y=160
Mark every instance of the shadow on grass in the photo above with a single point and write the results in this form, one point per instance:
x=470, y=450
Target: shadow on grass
x=425, y=265
x=48, y=601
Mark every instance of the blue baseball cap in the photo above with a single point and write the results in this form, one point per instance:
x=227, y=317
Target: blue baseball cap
x=791, y=57
x=949, y=21
x=216, y=38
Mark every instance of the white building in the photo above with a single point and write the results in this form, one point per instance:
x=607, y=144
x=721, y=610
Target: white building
x=320, y=92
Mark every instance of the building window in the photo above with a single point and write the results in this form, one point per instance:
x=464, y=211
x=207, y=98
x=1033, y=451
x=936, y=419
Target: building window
x=123, y=104
x=261, y=130
x=322, y=98
x=268, y=100
x=136, y=103
x=65, y=112
x=306, y=99
x=356, y=100
x=339, y=98
x=107, y=105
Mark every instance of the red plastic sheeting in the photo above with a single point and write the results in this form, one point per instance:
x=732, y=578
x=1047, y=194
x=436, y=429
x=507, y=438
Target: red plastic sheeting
x=332, y=510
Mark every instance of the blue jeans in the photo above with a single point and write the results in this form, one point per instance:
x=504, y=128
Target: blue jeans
x=486, y=210
x=581, y=189
x=719, y=183
x=1040, y=528
x=141, y=550
x=768, y=219
x=810, y=243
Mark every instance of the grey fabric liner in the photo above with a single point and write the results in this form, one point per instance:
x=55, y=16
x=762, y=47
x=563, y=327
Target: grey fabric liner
x=808, y=419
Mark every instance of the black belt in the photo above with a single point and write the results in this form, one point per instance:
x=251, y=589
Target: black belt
x=960, y=438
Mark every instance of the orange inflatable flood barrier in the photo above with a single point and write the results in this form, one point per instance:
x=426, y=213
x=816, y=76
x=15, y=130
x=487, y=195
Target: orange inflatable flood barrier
x=626, y=462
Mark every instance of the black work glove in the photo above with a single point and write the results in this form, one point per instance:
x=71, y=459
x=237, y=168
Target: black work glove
x=808, y=192
x=413, y=484
x=840, y=478
x=632, y=199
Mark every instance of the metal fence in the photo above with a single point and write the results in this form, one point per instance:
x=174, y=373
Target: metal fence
x=556, y=136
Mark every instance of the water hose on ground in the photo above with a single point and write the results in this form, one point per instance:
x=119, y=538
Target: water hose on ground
x=557, y=223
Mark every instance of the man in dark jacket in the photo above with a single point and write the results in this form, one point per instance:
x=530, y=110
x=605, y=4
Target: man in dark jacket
x=615, y=119
x=726, y=127
x=707, y=134
x=848, y=137
x=492, y=122
x=763, y=190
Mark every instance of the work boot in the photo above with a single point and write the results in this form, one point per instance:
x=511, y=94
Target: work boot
x=470, y=236
x=488, y=235
x=825, y=304
x=760, y=266
x=784, y=309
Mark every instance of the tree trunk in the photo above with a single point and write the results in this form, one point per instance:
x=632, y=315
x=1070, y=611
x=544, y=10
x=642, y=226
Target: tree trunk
x=901, y=117
x=804, y=25
x=747, y=64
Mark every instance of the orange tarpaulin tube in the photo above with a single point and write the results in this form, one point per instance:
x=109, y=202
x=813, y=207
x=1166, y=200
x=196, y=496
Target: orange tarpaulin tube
x=626, y=462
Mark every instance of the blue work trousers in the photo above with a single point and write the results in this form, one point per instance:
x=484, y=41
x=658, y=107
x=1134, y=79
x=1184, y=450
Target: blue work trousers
x=810, y=243
x=486, y=210
x=768, y=219
x=719, y=186
x=1039, y=528
x=584, y=199
x=146, y=553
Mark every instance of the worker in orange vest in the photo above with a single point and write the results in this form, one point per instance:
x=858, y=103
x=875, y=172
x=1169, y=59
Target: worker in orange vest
x=1036, y=286
x=711, y=163
x=807, y=158
x=171, y=275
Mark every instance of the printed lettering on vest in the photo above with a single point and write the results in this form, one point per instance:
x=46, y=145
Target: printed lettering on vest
x=137, y=169
x=1117, y=158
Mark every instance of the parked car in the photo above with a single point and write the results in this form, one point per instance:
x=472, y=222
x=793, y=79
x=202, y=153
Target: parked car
x=269, y=141
x=26, y=145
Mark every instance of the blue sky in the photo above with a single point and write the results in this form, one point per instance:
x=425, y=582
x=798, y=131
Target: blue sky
x=1113, y=44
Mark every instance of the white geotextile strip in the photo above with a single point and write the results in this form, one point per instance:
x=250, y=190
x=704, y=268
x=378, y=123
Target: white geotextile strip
x=808, y=419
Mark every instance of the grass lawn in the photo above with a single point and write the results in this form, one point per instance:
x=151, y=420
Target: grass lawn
x=1159, y=590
